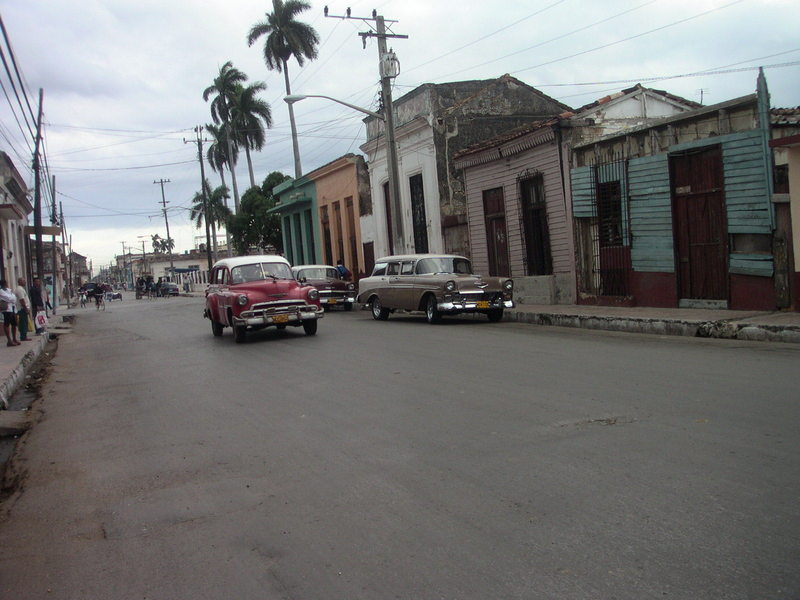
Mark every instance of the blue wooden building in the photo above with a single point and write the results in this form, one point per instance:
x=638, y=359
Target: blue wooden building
x=679, y=212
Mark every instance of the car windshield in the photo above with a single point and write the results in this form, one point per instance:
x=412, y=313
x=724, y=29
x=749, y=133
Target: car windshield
x=259, y=272
x=318, y=273
x=444, y=265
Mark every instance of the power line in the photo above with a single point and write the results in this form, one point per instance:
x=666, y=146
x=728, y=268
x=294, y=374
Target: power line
x=184, y=162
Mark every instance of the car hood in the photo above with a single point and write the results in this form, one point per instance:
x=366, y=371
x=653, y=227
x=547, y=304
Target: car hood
x=327, y=284
x=269, y=289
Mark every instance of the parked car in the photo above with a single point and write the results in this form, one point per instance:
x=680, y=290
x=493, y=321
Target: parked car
x=169, y=288
x=333, y=290
x=254, y=292
x=439, y=284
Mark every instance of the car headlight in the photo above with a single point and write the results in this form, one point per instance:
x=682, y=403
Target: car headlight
x=241, y=300
x=508, y=285
x=450, y=286
x=313, y=294
x=351, y=286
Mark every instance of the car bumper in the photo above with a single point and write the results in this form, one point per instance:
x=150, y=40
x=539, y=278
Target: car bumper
x=460, y=306
x=334, y=301
x=282, y=316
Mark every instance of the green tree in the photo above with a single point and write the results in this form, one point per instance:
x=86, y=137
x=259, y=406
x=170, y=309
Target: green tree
x=218, y=212
x=223, y=89
x=254, y=226
x=286, y=37
x=249, y=115
x=162, y=245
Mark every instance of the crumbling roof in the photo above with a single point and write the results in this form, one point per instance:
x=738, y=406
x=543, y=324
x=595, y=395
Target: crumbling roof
x=785, y=116
x=506, y=137
x=631, y=90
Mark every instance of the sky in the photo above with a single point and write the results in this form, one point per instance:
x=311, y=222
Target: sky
x=123, y=82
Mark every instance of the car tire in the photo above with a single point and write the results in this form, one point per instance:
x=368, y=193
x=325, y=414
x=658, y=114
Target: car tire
x=432, y=311
x=495, y=315
x=379, y=313
x=348, y=306
x=239, y=333
x=216, y=328
x=310, y=326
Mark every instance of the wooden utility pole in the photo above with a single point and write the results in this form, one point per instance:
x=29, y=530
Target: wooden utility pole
x=166, y=220
x=386, y=65
x=199, y=141
x=54, y=222
x=37, y=194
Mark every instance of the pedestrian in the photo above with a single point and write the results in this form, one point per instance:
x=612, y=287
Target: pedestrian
x=8, y=306
x=37, y=301
x=23, y=309
x=343, y=271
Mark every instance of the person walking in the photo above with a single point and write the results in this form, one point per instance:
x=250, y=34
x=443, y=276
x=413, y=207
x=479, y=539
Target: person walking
x=37, y=301
x=8, y=305
x=23, y=309
x=343, y=271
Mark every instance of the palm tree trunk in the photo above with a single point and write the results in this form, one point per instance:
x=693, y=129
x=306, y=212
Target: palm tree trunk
x=213, y=239
x=298, y=169
x=232, y=169
x=250, y=166
x=227, y=233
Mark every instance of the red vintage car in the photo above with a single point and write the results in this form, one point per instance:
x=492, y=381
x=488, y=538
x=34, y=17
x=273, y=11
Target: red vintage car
x=254, y=292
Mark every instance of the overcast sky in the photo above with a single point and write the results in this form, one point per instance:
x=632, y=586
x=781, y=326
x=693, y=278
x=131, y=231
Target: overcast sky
x=123, y=81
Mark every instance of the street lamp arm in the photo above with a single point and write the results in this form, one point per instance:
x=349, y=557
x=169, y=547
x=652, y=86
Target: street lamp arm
x=291, y=99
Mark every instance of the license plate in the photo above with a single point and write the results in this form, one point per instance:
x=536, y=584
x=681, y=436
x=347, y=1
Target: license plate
x=331, y=300
x=483, y=304
x=280, y=319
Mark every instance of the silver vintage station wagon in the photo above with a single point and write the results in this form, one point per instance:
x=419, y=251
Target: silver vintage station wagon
x=439, y=284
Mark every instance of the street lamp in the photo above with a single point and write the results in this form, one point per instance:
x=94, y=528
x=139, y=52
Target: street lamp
x=391, y=150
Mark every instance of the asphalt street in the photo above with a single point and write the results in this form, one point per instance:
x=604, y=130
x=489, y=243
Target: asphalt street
x=383, y=460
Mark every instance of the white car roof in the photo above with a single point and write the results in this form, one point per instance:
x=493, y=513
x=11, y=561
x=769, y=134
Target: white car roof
x=416, y=257
x=249, y=260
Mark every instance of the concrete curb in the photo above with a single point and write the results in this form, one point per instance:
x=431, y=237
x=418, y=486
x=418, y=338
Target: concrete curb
x=12, y=383
x=712, y=329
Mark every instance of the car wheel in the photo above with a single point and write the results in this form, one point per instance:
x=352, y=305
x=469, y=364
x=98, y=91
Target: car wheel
x=379, y=313
x=216, y=328
x=310, y=326
x=239, y=333
x=348, y=306
x=432, y=311
x=495, y=315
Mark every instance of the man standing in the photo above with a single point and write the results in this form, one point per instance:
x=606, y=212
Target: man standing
x=37, y=301
x=23, y=309
x=343, y=271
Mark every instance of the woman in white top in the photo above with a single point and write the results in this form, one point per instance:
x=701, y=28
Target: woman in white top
x=8, y=305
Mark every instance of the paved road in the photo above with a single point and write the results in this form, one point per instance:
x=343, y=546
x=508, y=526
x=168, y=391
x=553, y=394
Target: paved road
x=401, y=460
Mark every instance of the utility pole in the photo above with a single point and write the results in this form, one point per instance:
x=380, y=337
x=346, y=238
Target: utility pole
x=166, y=220
x=37, y=203
x=54, y=222
x=199, y=141
x=387, y=66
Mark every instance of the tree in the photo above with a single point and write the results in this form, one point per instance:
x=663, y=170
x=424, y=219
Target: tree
x=218, y=212
x=249, y=115
x=254, y=226
x=286, y=37
x=223, y=89
x=162, y=245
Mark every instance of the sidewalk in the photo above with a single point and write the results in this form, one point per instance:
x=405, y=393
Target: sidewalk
x=727, y=324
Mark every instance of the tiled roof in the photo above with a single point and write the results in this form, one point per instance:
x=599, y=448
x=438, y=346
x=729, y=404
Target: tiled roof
x=785, y=116
x=630, y=90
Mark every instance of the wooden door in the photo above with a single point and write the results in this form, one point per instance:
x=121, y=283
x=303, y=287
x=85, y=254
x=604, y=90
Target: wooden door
x=496, y=239
x=700, y=224
x=418, y=218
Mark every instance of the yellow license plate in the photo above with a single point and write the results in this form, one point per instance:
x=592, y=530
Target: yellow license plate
x=280, y=319
x=331, y=300
x=483, y=304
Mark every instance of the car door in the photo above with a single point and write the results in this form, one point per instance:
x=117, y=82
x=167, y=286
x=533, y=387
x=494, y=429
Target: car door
x=390, y=297
x=221, y=282
x=405, y=286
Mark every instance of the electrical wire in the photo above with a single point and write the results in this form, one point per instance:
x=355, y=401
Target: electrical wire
x=125, y=168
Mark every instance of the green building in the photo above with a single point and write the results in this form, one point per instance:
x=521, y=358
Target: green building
x=296, y=203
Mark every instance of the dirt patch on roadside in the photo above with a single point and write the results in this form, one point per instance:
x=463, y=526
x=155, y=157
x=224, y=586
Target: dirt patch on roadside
x=27, y=398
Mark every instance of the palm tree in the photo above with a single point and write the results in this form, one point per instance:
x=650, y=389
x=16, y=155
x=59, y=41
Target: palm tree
x=224, y=89
x=218, y=212
x=286, y=37
x=217, y=157
x=249, y=114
